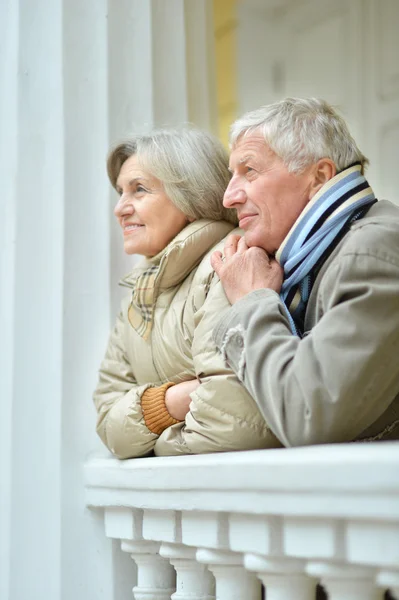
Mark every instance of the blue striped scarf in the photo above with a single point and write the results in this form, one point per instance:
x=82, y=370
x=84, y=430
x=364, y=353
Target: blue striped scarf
x=339, y=202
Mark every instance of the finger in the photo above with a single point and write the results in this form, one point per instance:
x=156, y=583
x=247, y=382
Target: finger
x=230, y=246
x=242, y=246
x=216, y=261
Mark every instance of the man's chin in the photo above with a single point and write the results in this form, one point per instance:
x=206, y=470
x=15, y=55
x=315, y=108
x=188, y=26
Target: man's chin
x=250, y=239
x=256, y=241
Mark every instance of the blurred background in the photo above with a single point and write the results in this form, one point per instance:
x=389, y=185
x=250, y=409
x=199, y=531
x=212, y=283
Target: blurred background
x=77, y=76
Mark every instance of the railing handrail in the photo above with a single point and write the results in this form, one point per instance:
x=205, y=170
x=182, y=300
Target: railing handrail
x=353, y=480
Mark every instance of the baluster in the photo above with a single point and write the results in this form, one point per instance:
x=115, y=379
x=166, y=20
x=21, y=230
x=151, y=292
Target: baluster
x=346, y=582
x=194, y=581
x=233, y=582
x=284, y=579
x=155, y=575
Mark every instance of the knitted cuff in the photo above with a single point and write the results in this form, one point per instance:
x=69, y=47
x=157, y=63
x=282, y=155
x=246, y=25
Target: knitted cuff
x=156, y=416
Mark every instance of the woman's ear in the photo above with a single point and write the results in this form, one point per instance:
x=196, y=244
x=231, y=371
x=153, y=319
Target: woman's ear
x=323, y=171
x=191, y=219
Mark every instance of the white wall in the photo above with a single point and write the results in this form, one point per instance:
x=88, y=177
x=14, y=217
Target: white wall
x=345, y=52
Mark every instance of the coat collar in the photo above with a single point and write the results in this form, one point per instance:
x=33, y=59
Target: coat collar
x=182, y=254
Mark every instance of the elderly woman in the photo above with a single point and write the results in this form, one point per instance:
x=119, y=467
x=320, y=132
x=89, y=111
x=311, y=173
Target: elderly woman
x=161, y=361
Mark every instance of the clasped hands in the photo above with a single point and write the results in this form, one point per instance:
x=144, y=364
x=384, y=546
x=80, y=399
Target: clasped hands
x=242, y=271
x=245, y=269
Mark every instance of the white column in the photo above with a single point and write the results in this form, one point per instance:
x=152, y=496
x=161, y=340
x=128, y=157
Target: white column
x=284, y=579
x=200, y=57
x=346, y=582
x=193, y=581
x=91, y=564
x=233, y=582
x=33, y=210
x=9, y=35
x=155, y=575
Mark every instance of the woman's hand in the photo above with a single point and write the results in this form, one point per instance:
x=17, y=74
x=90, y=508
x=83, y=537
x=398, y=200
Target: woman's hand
x=177, y=398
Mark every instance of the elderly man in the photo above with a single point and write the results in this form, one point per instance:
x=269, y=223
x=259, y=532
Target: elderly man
x=313, y=330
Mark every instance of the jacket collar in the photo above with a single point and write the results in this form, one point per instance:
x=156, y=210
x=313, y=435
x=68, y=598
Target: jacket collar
x=182, y=254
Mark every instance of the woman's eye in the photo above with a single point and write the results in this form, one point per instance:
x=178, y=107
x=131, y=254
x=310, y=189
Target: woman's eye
x=140, y=189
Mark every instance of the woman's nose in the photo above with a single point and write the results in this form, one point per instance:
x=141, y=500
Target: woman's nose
x=234, y=194
x=123, y=207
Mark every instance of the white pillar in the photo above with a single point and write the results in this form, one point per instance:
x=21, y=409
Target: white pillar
x=9, y=38
x=200, y=68
x=193, y=580
x=34, y=272
x=155, y=575
x=284, y=579
x=233, y=582
x=346, y=582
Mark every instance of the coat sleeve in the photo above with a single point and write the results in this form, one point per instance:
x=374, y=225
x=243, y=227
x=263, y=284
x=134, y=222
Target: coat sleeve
x=117, y=398
x=338, y=380
x=223, y=416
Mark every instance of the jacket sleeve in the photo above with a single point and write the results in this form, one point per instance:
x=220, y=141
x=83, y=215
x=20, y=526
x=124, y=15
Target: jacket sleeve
x=120, y=421
x=334, y=383
x=222, y=416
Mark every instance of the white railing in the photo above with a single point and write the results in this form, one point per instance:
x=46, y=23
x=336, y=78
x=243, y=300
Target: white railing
x=221, y=525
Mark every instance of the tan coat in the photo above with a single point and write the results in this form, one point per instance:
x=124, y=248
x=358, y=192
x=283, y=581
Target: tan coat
x=188, y=304
x=341, y=381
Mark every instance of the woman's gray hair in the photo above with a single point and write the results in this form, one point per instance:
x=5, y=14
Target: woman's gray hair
x=191, y=164
x=301, y=131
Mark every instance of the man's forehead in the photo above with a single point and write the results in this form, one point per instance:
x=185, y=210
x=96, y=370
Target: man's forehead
x=247, y=147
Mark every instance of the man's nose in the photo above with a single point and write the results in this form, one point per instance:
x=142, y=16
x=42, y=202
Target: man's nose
x=234, y=194
x=123, y=207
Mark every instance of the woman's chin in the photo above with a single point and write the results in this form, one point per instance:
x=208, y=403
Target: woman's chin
x=131, y=248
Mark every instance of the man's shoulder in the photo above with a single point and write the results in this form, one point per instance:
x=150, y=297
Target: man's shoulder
x=376, y=234
x=372, y=243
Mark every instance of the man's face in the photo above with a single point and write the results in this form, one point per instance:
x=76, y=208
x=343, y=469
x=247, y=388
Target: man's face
x=267, y=197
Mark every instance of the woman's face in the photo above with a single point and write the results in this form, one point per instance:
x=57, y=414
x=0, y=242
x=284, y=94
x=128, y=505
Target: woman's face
x=148, y=218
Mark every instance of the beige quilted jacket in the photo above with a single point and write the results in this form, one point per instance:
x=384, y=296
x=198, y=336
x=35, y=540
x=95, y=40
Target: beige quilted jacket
x=189, y=301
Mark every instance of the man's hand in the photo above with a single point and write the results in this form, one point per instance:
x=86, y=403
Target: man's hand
x=177, y=398
x=244, y=269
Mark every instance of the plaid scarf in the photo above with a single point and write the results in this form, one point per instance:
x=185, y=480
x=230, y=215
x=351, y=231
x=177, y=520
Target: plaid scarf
x=169, y=268
x=339, y=202
x=141, y=308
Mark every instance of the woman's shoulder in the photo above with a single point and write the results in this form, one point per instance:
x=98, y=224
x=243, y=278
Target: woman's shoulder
x=205, y=269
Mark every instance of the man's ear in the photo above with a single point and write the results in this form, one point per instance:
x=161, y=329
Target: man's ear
x=323, y=171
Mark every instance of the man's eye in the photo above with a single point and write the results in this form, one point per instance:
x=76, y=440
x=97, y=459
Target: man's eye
x=140, y=189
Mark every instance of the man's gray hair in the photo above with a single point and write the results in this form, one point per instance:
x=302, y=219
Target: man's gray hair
x=191, y=164
x=301, y=131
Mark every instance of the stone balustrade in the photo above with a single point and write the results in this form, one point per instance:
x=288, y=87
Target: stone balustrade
x=225, y=525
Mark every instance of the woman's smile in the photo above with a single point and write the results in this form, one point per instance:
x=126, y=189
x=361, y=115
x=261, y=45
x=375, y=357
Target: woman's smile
x=128, y=229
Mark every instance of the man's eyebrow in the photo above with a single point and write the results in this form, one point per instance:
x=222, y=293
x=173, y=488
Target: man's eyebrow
x=242, y=161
